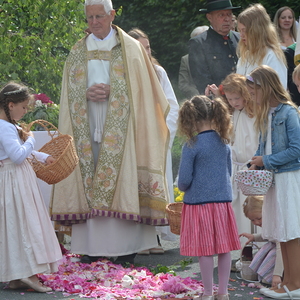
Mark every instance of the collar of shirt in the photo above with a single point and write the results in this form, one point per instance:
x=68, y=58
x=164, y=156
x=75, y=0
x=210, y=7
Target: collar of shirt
x=225, y=37
x=106, y=38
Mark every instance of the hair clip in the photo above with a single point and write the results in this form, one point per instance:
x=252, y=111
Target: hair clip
x=221, y=89
x=15, y=91
x=250, y=78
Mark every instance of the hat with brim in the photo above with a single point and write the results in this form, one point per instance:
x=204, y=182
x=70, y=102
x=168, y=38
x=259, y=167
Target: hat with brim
x=217, y=5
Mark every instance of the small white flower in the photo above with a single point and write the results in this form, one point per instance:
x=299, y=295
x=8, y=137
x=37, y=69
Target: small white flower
x=38, y=103
x=127, y=282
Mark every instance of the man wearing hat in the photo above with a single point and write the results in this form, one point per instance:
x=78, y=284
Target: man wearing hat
x=212, y=54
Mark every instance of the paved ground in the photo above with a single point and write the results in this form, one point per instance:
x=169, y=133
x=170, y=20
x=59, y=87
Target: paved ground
x=237, y=289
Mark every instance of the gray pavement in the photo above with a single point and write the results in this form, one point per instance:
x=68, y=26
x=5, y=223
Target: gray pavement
x=171, y=257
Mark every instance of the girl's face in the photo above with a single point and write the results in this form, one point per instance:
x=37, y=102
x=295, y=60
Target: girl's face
x=242, y=31
x=255, y=94
x=255, y=217
x=18, y=110
x=235, y=100
x=286, y=20
x=146, y=44
x=297, y=83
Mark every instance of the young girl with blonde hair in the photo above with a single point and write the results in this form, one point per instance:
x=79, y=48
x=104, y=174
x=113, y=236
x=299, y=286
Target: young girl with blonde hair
x=278, y=122
x=267, y=262
x=28, y=243
x=296, y=77
x=208, y=225
x=259, y=43
x=244, y=140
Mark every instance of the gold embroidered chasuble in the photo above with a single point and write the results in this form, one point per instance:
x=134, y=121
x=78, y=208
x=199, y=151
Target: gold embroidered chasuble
x=128, y=180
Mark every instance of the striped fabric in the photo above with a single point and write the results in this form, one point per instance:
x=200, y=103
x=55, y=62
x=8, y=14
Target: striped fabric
x=208, y=229
x=263, y=262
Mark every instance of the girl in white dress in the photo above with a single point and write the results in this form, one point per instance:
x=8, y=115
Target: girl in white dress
x=244, y=142
x=278, y=121
x=28, y=244
x=172, y=117
x=259, y=43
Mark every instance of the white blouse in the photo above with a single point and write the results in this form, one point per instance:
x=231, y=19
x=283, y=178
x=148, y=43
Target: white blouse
x=270, y=60
x=11, y=146
x=170, y=95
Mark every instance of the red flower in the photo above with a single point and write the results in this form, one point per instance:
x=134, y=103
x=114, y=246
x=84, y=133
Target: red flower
x=44, y=98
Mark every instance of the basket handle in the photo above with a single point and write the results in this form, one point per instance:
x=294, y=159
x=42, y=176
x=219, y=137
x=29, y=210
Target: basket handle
x=46, y=125
x=245, y=164
x=251, y=244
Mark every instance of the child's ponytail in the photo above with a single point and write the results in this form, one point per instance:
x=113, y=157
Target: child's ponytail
x=222, y=120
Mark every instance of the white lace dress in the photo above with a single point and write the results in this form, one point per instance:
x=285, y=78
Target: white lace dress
x=281, y=208
x=28, y=244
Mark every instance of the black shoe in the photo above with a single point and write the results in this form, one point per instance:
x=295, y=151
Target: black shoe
x=125, y=259
x=86, y=259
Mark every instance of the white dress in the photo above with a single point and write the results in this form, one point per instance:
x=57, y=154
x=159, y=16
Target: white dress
x=104, y=236
x=270, y=60
x=28, y=244
x=244, y=146
x=172, y=117
x=281, y=209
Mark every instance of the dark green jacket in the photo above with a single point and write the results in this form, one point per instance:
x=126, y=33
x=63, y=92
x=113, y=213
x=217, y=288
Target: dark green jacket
x=211, y=58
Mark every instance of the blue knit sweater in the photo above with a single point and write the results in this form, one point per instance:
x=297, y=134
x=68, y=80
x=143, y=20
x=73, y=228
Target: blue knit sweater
x=205, y=170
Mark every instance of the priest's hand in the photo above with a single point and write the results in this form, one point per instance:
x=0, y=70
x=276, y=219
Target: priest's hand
x=98, y=92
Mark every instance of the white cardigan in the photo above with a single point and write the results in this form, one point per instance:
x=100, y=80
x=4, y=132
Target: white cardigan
x=270, y=60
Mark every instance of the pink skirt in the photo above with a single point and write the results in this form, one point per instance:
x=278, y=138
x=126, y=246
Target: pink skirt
x=208, y=229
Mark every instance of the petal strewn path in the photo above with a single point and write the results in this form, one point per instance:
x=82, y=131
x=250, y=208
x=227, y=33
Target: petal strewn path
x=105, y=280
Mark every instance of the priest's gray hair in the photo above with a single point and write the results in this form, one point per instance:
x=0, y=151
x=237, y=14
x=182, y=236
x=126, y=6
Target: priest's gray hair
x=106, y=3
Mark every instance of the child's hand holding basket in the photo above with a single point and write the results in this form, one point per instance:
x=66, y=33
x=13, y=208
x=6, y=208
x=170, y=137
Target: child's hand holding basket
x=63, y=152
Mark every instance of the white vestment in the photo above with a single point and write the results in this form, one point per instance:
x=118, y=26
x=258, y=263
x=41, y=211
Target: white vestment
x=105, y=236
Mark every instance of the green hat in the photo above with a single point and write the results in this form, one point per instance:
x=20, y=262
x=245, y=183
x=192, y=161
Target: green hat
x=212, y=5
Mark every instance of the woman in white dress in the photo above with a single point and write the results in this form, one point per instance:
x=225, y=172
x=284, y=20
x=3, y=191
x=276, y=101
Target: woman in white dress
x=28, y=244
x=172, y=117
x=259, y=43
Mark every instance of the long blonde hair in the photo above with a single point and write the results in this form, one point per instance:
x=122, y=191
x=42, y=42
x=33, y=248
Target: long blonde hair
x=236, y=83
x=261, y=36
x=252, y=203
x=201, y=108
x=296, y=73
x=266, y=79
x=293, y=29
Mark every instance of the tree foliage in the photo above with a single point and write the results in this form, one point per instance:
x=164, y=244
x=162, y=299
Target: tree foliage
x=36, y=35
x=169, y=23
x=35, y=38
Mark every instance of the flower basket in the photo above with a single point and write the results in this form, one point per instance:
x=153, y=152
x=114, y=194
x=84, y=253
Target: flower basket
x=254, y=182
x=62, y=149
x=174, y=216
x=246, y=257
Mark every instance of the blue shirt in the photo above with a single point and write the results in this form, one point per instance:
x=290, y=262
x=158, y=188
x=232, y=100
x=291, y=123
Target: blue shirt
x=285, y=139
x=205, y=170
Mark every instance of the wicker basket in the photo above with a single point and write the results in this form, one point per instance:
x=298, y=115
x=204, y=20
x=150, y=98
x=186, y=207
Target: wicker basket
x=174, y=216
x=254, y=182
x=62, y=149
x=246, y=257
